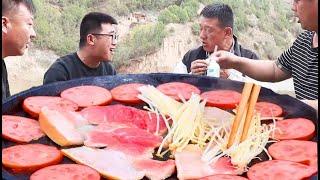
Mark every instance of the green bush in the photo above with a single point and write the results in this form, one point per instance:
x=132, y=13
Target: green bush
x=57, y=21
x=191, y=8
x=179, y=14
x=195, y=28
x=142, y=40
x=167, y=17
x=57, y=24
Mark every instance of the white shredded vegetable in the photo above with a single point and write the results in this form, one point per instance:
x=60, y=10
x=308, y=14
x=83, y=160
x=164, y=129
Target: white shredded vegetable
x=241, y=153
x=187, y=123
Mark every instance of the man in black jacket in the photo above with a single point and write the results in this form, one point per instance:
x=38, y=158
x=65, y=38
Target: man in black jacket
x=216, y=29
x=98, y=39
x=17, y=33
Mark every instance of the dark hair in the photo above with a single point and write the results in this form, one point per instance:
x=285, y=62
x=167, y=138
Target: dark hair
x=11, y=5
x=222, y=12
x=91, y=23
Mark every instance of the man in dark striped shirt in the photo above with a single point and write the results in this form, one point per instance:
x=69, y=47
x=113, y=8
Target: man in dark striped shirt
x=300, y=61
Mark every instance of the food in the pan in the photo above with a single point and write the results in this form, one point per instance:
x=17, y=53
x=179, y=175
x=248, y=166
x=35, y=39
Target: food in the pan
x=205, y=142
x=109, y=163
x=118, y=165
x=30, y=157
x=32, y=105
x=85, y=96
x=155, y=170
x=62, y=127
x=178, y=90
x=125, y=115
x=295, y=128
x=66, y=171
x=159, y=102
x=20, y=129
x=223, y=177
x=190, y=165
x=247, y=137
x=127, y=93
x=304, y=152
x=223, y=99
x=133, y=141
x=267, y=109
x=279, y=170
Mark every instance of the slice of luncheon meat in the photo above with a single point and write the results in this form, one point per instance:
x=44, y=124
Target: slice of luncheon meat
x=223, y=99
x=32, y=105
x=126, y=115
x=279, y=170
x=190, y=166
x=111, y=164
x=127, y=93
x=267, y=109
x=86, y=96
x=174, y=89
x=304, y=152
x=133, y=141
x=30, y=157
x=155, y=170
x=20, y=129
x=295, y=128
x=223, y=177
x=62, y=126
x=66, y=171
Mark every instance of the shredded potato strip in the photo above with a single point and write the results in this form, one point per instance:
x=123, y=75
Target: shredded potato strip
x=154, y=97
x=254, y=137
x=187, y=123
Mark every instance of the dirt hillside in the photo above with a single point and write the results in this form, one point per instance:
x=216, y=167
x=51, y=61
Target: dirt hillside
x=27, y=71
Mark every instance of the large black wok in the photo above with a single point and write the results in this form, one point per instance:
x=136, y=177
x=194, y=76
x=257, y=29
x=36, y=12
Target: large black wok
x=12, y=106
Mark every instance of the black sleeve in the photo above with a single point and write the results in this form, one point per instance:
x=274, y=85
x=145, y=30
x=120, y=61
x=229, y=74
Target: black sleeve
x=248, y=54
x=186, y=60
x=114, y=72
x=5, y=83
x=254, y=56
x=55, y=73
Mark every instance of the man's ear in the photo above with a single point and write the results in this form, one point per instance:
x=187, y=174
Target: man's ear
x=91, y=39
x=228, y=31
x=5, y=24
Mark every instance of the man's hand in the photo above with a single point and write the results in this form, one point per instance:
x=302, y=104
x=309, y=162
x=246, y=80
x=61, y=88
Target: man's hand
x=225, y=59
x=199, y=67
x=224, y=73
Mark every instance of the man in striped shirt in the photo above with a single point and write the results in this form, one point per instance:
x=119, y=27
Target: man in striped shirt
x=300, y=61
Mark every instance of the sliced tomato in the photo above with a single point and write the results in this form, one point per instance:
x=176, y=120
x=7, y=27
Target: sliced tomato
x=85, y=96
x=304, y=152
x=223, y=99
x=66, y=171
x=279, y=170
x=267, y=109
x=223, y=177
x=127, y=93
x=173, y=89
x=30, y=157
x=295, y=128
x=20, y=129
x=32, y=105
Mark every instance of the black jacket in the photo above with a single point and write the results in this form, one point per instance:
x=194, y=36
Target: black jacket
x=71, y=67
x=5, y=84
x=200, y=53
